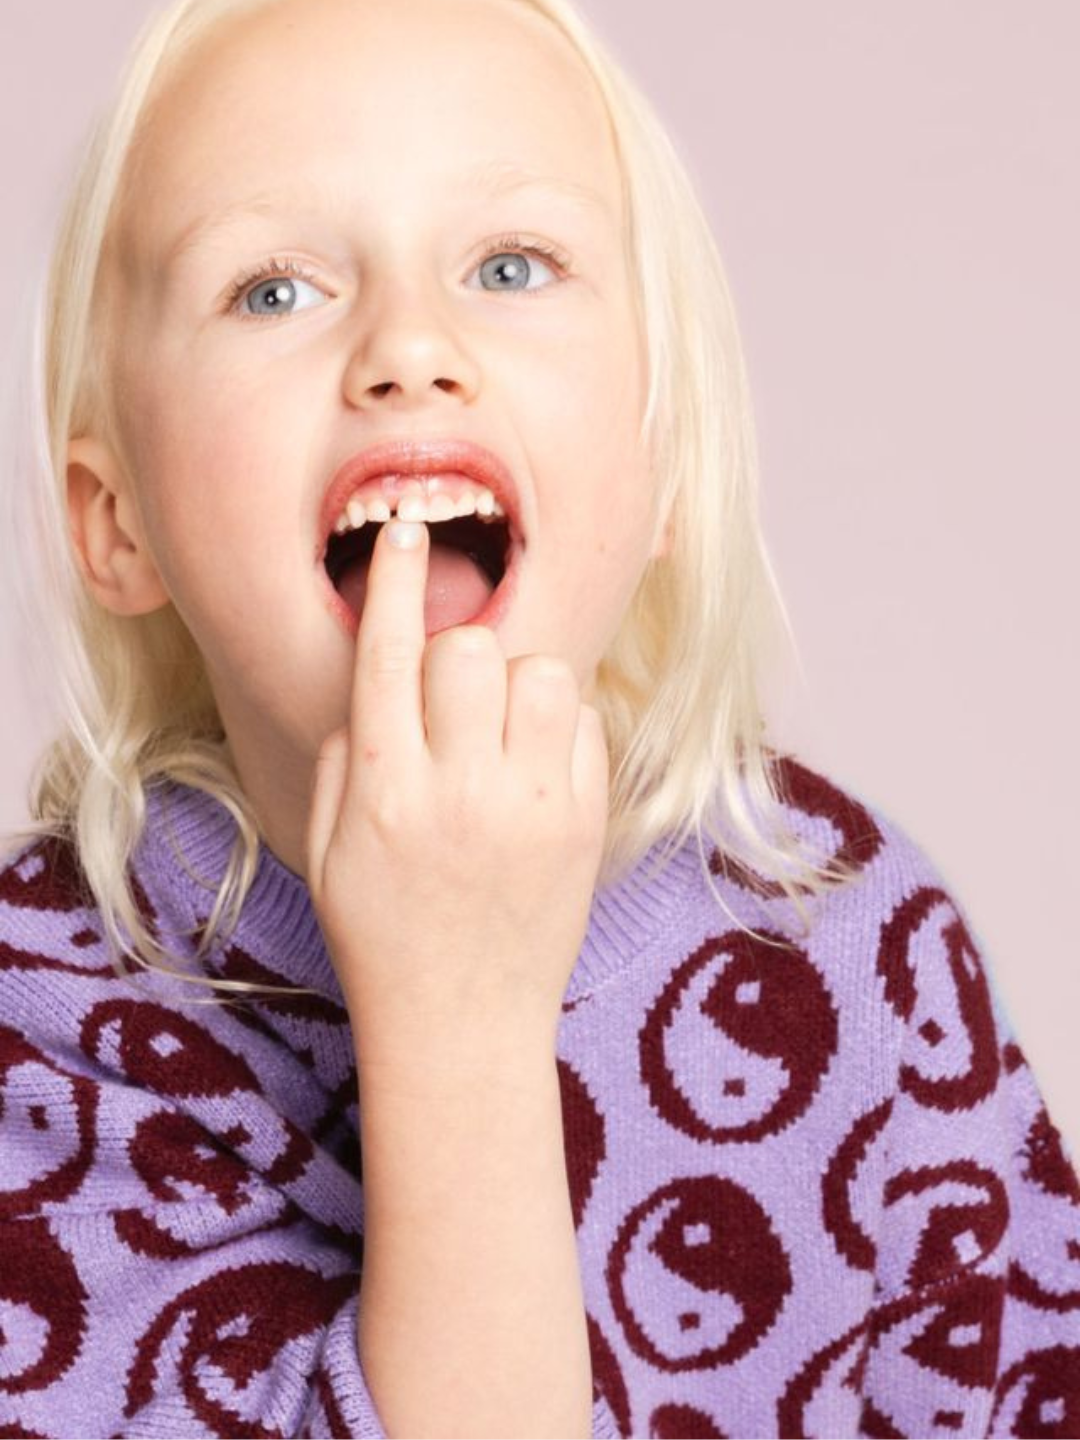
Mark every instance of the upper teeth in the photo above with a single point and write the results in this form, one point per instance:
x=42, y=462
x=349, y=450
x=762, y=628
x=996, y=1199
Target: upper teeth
x=418, y=502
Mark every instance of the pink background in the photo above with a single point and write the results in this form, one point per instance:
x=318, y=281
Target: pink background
x=894, y=192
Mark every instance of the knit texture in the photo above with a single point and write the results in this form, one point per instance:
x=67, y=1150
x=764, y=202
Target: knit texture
x=816, y=1189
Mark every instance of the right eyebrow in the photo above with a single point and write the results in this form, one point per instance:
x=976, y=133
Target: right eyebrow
x=216, y=222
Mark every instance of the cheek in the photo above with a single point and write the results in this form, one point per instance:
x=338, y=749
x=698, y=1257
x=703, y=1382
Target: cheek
x=620, y=555
x=613, y=534
x=198, y=458
x=588, y=445
x=597, y=391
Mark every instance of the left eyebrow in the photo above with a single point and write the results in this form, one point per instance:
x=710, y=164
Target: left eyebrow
x=493, y=179
x=500, y=177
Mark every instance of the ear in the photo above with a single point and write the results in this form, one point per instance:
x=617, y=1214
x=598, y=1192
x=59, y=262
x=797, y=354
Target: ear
x=105, y=529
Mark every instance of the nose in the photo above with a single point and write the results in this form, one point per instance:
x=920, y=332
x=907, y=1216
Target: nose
x=406, y=348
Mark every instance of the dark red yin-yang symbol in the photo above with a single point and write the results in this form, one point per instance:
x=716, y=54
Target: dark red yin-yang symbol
x=762, y=1028
x=697, y=1274
x=163, y=1051
x=213, y=1341
x=951, y=1059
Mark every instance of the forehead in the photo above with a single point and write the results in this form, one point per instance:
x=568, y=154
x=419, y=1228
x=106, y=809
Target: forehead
x=396, y=100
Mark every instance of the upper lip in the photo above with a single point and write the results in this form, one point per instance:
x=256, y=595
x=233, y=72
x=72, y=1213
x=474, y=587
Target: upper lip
x=419, y=457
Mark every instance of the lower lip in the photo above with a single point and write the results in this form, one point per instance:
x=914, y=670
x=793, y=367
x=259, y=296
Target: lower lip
x=491, y=615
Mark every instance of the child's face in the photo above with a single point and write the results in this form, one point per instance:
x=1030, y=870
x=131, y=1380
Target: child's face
x=365, y=131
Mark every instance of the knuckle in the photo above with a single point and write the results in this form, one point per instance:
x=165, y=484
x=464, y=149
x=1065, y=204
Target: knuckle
x=464, y=649
x=549, y=668
x=388, y=659
x=467, y=640
x=332, y=748
x=549, y=681
x=388, y=813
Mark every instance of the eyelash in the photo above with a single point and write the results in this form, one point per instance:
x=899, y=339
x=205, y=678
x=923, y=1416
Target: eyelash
x=274, y=269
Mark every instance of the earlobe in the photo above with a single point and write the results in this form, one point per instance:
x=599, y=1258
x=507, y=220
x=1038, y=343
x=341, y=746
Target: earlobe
x=110, y=547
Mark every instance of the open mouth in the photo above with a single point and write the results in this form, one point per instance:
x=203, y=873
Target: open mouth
x=469, y=559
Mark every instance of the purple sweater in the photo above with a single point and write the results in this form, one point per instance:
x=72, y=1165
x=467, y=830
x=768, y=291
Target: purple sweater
x=816, y=1190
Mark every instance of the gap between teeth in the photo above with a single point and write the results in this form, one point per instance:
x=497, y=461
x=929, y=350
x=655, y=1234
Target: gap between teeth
x=417, y=506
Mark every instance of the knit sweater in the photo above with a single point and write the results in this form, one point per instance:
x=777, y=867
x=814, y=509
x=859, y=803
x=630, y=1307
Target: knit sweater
x=815, y=1188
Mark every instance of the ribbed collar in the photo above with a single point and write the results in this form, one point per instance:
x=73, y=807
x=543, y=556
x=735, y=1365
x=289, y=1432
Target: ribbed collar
x=185, y=850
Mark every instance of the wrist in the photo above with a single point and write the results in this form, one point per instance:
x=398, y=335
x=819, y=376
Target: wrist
x=515, y=1051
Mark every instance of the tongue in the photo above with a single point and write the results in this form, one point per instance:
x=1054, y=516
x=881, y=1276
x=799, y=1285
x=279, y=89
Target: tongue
x=457, y=589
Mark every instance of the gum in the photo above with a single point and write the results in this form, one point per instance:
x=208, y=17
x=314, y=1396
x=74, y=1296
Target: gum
x=393, y=487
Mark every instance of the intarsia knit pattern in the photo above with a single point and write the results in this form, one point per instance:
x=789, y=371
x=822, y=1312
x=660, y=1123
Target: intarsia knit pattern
x=816, y=1189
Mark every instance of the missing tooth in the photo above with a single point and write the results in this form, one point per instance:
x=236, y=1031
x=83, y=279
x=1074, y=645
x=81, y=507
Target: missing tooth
x=485, y=542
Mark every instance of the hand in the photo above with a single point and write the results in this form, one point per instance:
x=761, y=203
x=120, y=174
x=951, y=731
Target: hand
x=457, y=823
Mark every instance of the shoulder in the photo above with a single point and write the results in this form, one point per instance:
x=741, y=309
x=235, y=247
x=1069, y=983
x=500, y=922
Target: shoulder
x=897, y=918
x=54, y=950
x=49, y=916
x=901, y=909
x=840, y=825
x=896, y=877
x=79, y=1032
x=47, y=910
x=849, y=825
x=42, y=875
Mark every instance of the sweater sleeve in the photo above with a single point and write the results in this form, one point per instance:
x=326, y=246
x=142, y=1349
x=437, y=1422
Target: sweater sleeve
x=975, y=1328
x=160, y=1270
x=177, y=1257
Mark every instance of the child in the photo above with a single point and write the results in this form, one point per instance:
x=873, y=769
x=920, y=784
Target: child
x=430, y=1008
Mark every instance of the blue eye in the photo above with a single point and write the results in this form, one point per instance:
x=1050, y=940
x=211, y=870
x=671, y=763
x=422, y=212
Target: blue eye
x=512, y=266
x=277, y=288
x=277, y=296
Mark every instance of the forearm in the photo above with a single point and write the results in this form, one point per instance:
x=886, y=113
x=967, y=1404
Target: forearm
x=472, y=1319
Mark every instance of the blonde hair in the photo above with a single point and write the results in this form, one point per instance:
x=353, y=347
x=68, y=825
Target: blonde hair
x=678, y=689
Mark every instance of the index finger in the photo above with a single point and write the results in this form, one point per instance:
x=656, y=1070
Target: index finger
x=387, y=711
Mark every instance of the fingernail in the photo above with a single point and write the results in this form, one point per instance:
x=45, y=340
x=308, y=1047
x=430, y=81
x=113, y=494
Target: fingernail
x=405, y=534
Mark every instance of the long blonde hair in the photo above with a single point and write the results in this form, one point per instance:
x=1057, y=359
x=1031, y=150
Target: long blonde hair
x=678, y=689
